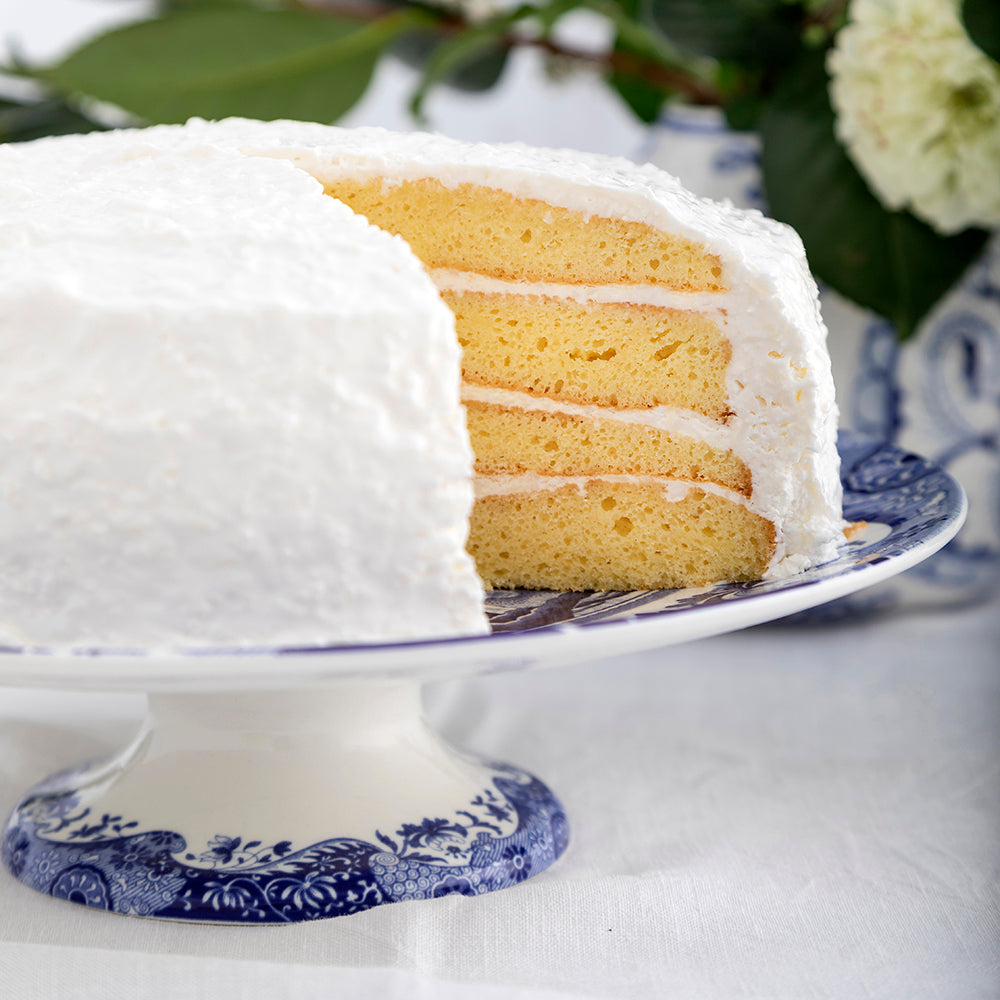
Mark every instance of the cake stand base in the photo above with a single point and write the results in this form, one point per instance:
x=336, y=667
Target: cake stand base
x=282, y=807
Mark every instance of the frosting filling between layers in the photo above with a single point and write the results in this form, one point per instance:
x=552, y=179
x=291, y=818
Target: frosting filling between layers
x=673, y=490
x=634, y=294
x=663, y=418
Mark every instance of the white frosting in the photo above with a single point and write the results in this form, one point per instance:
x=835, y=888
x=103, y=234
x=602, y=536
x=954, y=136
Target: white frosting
x=651, y=295
x=229, y=410
x=673, y=490
x=670, y=419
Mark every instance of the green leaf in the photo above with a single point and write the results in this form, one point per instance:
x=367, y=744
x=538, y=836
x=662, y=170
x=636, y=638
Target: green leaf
x=982, y=22
x=743, y=112
x=234, y=61
x=888, y=262
x=750, y=31
x=644, y=98
x=743, y=96
x=647, y=69
x=634, y=42
x=484, y=43
x=481, y=72
x=634, y=34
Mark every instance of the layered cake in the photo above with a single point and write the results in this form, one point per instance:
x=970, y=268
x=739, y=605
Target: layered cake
x=644, y=374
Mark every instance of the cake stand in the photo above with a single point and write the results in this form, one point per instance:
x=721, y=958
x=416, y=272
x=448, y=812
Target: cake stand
x=282, y=785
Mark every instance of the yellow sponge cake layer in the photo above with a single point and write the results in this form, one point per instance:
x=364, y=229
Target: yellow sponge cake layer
x=510, y=440
x=605, y=353
x=469, y=227
x=616, y=536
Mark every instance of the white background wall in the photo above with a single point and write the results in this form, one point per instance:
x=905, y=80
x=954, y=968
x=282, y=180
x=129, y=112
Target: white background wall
x=579, y=112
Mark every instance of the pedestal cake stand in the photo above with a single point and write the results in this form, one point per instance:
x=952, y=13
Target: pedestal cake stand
x=282, y=785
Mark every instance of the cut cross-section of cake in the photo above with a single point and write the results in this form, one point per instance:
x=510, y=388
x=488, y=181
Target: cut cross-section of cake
x=645, y=375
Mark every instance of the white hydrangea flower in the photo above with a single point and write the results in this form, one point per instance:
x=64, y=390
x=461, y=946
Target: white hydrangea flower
x=918, y=110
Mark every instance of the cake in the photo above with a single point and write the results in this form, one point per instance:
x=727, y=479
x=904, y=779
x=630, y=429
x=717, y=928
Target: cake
x=644, y=373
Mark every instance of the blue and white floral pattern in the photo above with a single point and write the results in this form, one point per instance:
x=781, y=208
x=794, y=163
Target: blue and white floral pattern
x=105, y=861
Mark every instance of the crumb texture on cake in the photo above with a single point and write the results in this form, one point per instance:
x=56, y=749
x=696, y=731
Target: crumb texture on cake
x=470, y=227
x=617, y=536
x=613, y=354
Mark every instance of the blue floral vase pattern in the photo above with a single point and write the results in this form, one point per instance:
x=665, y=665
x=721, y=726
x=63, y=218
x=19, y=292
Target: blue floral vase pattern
x=107, y=862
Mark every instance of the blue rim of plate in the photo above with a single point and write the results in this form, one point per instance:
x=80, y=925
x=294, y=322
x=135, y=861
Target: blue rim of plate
x=919, y=505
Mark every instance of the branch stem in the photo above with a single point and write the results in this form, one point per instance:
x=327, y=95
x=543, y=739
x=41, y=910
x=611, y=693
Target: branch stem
x=694, y=88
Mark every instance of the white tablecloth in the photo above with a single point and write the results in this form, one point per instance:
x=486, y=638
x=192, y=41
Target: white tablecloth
x=786, y=812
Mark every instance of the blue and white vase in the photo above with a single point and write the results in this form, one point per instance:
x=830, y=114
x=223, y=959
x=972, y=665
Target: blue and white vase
x=937, y=395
